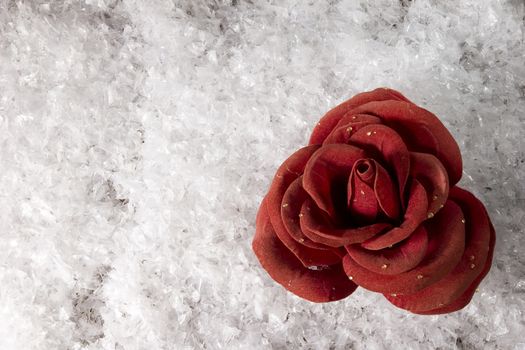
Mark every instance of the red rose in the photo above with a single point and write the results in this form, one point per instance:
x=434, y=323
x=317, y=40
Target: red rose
x=372, y=202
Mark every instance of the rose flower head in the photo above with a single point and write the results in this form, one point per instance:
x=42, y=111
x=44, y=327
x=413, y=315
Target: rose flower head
x=372, y=201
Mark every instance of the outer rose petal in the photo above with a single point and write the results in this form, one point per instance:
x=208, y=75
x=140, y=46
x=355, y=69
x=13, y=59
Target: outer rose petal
x=475, y=262
x=329, y=168
x=357, y=120
x=464, y=299
x=421, y=130
x=348, y=125
x=291, y=169
x=330, y=119
x=315, y=285
x=446, y=245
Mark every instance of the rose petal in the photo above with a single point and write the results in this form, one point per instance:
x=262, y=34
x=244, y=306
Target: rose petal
x=416, y=212
x=318, y=227
x=348, y=125
x=421, y=130
x=358, y=120
x=479, y=242
x=386, y=193
x=326, y=175
x=330, y=119
x=387, y=144
x=392, y=261
x=428, y=170
x=446, y=244
x=290, y=170
x=324, y=285
x=293, y=199
x=466, y=297
x=362, y=201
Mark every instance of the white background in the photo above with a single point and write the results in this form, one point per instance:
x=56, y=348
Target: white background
x=137, y=139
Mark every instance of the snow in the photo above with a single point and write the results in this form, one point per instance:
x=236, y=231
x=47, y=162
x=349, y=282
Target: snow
x=137, y=139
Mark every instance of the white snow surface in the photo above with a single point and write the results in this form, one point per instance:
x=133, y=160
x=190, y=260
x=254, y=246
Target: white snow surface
x=137, y=139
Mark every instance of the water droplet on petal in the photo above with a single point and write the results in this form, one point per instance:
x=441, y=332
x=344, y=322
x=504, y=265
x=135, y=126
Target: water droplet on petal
x=318, y=267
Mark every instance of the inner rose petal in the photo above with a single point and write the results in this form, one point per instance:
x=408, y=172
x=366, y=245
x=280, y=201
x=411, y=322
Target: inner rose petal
x=385, y=143
x=428, y=170
x=415, y=214
x=386, y=193
x=362, y=201
x=319, y=227
x=326, y=176
x=371, y=191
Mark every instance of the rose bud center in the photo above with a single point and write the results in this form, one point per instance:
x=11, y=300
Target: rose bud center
x=371, y=194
